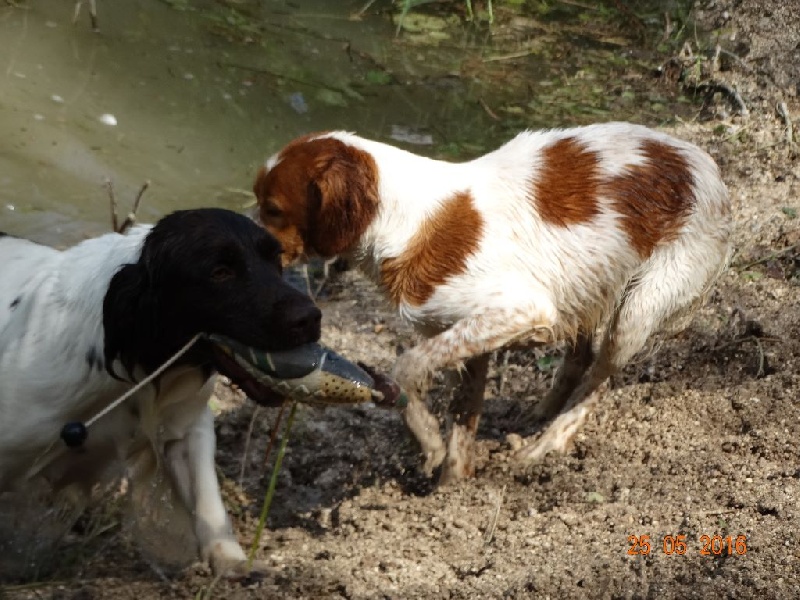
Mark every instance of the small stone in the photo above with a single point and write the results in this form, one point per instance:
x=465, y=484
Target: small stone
x=108, y=119
x=514, y=441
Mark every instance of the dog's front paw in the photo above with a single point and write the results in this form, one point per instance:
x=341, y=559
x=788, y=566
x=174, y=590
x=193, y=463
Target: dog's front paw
x=425, y=429
x=238, y=569
x=227, y=559
x=433, y=460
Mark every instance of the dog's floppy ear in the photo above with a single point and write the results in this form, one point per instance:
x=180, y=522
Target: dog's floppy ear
x=342, y=198
x=129, y=318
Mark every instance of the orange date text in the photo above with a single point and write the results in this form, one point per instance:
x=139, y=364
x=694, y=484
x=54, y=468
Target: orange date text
x=708, y=545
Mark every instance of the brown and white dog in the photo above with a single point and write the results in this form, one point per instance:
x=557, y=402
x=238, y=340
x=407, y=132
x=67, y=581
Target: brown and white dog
x=610, y=231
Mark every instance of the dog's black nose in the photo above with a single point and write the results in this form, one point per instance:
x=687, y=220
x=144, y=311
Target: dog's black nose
x=304, y=323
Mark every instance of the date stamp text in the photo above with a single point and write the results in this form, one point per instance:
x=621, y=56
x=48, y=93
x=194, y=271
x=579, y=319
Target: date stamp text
x=707, y=545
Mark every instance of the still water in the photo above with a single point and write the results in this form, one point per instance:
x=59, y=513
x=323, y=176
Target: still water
x=192, y=96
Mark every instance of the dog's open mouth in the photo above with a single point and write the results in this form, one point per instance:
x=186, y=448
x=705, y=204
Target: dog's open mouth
x=310, y=373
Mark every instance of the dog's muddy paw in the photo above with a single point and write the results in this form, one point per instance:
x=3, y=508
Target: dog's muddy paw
x=239, y=570
x=433, y=460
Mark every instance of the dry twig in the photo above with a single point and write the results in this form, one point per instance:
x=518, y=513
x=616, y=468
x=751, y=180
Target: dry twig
x=579, y=4
x=777, y=254
x=668, y=27
x=130, y=220
x=714, y=513
x=273, y=434
x=246, y=451
x=783, y=113
x=358, y=15
x=113, y=201
x=732, y=94
x=488, y=110
x=735, y=57
x=513, y=55
x=490, y=531
x=503, y=370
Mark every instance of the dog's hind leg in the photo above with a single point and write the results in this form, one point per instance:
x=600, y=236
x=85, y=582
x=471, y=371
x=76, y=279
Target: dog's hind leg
x=577, y=361
x=674, y=281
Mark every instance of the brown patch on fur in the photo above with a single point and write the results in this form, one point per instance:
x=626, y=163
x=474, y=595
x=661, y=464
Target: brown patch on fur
x=319, y=198
x=565, y=192
x=654, y=198
x=438, y=251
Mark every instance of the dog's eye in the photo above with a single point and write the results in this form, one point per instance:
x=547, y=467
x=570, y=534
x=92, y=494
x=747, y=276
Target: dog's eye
x=272, y=211
x=222, y=273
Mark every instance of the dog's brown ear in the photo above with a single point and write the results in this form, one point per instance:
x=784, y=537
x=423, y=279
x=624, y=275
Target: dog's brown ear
x=260, y=185
x=342, y=198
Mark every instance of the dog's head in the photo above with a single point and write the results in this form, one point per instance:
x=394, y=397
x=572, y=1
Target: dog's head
x=210, y=271
x=317, y=196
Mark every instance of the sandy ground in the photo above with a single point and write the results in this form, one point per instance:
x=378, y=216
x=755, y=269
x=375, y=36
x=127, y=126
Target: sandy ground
x=697, y=439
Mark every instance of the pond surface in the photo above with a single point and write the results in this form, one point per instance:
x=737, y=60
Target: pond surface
x=192, y=96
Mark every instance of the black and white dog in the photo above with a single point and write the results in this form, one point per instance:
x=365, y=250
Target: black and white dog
x=79, y=327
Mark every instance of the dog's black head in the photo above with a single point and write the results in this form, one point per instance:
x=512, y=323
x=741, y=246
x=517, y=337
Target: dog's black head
x=205, y=270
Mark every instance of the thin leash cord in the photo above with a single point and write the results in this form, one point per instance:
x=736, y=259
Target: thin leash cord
x=144, y=381
x=39, y=462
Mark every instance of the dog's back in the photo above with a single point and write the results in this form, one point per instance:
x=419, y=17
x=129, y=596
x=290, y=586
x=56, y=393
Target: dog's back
x=573, y=216
x=51, y=333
